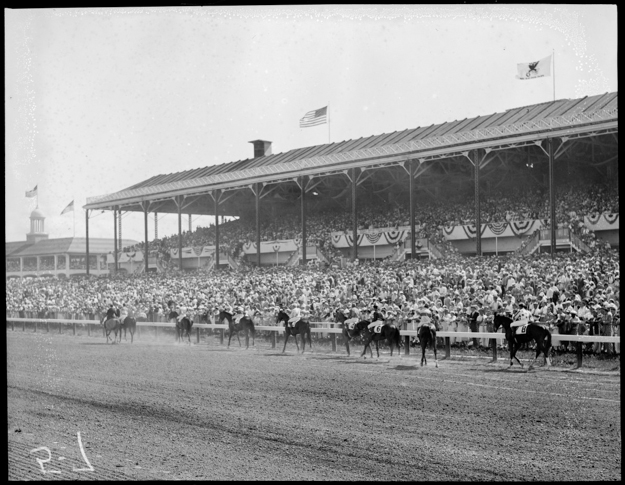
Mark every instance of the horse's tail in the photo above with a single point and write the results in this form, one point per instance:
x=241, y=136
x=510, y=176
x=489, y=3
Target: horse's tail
x=547, y=341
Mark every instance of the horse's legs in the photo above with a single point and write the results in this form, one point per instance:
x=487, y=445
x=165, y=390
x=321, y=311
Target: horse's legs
x=346, y=343
x=515, y=347
x=303, y=336
x=296, y=344
x=132, y=336
x=377, y=349
x=237, y=334
x=434, y=347
x=286, y=337
x=538, y=352
x=423, y=345
x=230, y=336
x=364, y=350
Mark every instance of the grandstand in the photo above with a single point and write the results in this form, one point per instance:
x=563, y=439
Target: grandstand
x=541, y=157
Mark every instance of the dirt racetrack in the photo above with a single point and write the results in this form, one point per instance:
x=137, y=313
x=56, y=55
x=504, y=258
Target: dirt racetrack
x=158, y=410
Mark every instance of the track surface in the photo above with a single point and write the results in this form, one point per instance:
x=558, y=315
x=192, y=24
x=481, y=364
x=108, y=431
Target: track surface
x=156, y=410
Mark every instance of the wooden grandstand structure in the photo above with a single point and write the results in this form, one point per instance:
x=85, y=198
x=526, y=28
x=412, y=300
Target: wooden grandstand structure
x=581, y=131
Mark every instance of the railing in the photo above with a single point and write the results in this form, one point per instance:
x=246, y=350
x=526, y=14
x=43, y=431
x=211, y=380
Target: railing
x=530, y=246
x=561, y=233
x=579, y=244
x=330, y=329
x=435, y=250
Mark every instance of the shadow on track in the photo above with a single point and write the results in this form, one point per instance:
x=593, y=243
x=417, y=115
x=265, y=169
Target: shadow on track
x=406, y=367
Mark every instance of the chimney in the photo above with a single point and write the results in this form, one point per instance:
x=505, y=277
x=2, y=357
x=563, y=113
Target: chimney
x=262, y=148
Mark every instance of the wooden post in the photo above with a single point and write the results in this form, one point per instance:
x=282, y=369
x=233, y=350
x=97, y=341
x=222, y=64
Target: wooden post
x=74, y=329
x=60, y=328
x=88, y=330
x=197, y=333
x=406, y=345
x=155, y=333
x=47, y=326
x=579, y=354
x=35, y=326
x=273, y=340
x=221, y=336
x=333, y=339
x=23, y=326
x=447, y=347
x=12, y=326
x=493, y=343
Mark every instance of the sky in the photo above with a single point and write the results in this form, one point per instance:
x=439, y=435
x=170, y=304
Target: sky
x=99, y=99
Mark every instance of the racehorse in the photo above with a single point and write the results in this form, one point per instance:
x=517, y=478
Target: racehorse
x=112, y=325
x=538, y=334
x=129, y=324
x=339, y=317
x=183, y=326
x=245, y=324
x=427, y=334
x=390, y=333
x=302, y=327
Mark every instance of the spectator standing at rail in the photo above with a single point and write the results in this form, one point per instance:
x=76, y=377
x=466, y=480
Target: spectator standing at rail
x=473, y=316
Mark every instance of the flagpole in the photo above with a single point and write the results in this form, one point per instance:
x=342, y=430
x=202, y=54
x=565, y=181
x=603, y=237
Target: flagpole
x=328, y=123
x=554, y=74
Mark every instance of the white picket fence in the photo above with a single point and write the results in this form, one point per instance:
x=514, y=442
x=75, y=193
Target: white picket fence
x=326, y=328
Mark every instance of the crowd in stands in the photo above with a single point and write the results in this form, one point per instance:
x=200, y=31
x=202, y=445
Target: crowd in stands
x=573, y=202
x=461, y=294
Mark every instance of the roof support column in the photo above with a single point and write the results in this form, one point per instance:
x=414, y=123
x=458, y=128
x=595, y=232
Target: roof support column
x=119, y=221
x=478, y=215
x=216, y=196
x=552, y=199
x=86, y=242
x=179, y=203
x=145, y=227
x=115, y=238
x=303, y=183
x=354, y=215
x=413, y=236
x=257, y=194
x=155, y=225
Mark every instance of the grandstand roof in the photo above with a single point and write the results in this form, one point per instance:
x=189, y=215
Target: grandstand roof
x=68, y=245
x=558, y=118
x=12, y=248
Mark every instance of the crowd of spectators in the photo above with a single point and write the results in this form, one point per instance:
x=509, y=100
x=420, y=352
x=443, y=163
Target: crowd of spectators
x=512, y=204
x=461, y=293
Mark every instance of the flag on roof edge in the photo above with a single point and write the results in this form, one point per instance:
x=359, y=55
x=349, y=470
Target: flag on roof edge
x=69, y=208
x=31, y=193
x=534, y=70
x=314, y=118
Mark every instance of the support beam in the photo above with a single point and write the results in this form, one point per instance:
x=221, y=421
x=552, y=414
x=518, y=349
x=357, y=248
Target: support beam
x=478, y=218
x=145, y=225
x=179, y=203
x=216, y=196
x=411, y=175
x=87, y=240
x=552, y=199
x=303, y=181
x=257, y=194
x=354, y=215
x=115, y=238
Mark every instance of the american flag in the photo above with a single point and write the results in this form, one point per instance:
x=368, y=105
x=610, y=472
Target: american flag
x=314, y=118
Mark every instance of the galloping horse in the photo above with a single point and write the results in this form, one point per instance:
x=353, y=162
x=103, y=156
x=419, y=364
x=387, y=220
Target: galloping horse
x=183, y=326
x=130, y=324
x=427, y=334
x=112, y=325
x=245, y=324
x=538, y=334
x=390, y=333
x=302, y=327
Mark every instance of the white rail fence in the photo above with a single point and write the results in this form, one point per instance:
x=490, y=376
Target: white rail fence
x=326, y=328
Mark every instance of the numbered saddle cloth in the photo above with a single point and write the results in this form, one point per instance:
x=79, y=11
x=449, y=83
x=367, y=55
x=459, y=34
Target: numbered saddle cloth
x=521, y=330
x=350, y=322
x=237, y=319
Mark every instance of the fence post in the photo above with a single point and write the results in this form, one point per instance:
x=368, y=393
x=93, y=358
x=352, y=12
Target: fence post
x=333, y=339
x=579, y=354
x=60, y=327
x=493, y=344
x=74, y=329
x=407, y=345
x=47, y=326
x=198, y=334
x=273, y=340
x=12, y=326
x=88, y=330
x=221, y=336
x=447, y=347
x=35, y=326
x=155, y=333
x=23, y=326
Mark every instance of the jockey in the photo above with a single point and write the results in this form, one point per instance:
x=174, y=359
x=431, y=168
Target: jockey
x=182, y=313
x=353, y=315
x=124, y=312
x=426, y=317
x=238, y=314
x=390, y=317
x=296, y=315
x=522, y=317
x=376, y=316
x=111, y=313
